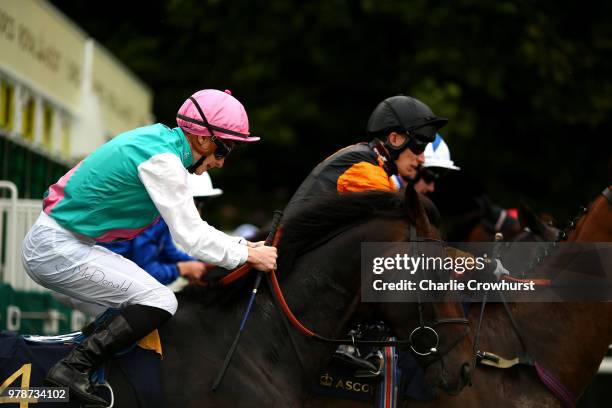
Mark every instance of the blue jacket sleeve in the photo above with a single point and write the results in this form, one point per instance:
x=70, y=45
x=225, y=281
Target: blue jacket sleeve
x=168, y=251
x=155, y=252
x=123, y=248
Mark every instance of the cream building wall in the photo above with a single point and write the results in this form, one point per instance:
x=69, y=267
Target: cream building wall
x=61, y=96
x=62, y=93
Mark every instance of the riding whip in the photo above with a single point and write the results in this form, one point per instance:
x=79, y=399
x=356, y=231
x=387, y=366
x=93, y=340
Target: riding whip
x=228, y=357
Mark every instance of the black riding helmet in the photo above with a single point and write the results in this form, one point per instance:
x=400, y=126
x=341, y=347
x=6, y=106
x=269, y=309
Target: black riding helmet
x=404, y=114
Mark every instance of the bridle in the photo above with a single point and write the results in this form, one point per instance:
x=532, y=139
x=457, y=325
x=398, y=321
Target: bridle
x=428, y=327
x=491, y=359
x=483, y=357
x=423, y=328
x=524, y=358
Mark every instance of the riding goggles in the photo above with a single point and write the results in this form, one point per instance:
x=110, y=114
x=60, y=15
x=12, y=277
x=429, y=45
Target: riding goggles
x=428, y=175
x=416, y=143
x=418, y=139
x=222, y=150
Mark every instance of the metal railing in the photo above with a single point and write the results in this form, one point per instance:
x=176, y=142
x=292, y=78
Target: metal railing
x=20, y=215
x=8, y=246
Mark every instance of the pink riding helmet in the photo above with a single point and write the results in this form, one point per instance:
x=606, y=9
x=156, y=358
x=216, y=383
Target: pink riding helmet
x=223, y=113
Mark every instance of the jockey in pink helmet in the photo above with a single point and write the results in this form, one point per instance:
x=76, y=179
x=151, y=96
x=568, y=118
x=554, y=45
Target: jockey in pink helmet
x=115, y=193
x=213, y=121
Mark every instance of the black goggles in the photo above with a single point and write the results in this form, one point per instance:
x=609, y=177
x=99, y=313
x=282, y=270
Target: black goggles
x=418, y=139
x=416, y=143
x=223, y=150
x=429, y=175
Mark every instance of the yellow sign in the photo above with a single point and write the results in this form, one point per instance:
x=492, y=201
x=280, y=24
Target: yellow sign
x=46, y=52
x=42, y=47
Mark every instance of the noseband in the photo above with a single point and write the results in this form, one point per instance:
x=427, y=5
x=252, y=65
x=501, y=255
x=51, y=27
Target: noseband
x=428, y=328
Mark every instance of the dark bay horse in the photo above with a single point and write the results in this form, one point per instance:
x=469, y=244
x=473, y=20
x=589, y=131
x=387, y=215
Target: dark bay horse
x=319, y=266
x=482, y=224
x=568, y=340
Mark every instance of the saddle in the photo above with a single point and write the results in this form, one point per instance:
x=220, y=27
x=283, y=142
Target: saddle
x=368, y=373
x=366, y=363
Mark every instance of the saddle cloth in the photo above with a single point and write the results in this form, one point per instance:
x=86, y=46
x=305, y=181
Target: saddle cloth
x=150, y=342
x=141, y=367
x=338, y=380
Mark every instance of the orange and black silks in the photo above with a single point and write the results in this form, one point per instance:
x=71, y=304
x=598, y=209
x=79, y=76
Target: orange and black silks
x=359, y=167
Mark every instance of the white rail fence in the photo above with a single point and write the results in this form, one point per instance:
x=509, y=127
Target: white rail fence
x=19, y=215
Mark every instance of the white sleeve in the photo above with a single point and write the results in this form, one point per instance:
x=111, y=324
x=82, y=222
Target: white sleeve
x=165, y=179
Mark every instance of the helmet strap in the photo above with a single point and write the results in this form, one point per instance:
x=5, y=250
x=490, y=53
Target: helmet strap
x=395, y=151
x=196, y=147
x=204, y=122
x=385, y=156
x=192, y=169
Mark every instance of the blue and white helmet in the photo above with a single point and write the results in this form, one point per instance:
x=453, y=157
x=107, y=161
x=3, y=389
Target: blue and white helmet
x=437, y=154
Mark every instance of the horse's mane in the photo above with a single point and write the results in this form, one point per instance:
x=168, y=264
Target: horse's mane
x=433, y=214
x=316, y=221
x=546, y=251
x=310, y=226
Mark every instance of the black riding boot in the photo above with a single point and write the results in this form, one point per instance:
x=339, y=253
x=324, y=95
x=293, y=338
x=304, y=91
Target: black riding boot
x=132, y=324
x=74, y=370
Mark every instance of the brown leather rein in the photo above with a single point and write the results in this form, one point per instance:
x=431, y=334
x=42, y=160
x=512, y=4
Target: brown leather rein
x=279, y=298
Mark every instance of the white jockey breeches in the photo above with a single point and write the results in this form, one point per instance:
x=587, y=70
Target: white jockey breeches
x=91, y=278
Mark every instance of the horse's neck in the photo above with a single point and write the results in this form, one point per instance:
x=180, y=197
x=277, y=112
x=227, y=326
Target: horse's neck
x=324, y=284
x=596, y=224
x=568, y=339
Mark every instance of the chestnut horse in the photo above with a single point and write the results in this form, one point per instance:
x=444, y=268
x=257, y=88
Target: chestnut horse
x=566, y=340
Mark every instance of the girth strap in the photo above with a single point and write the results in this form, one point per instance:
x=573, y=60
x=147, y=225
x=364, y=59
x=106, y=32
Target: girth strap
x=556, y=387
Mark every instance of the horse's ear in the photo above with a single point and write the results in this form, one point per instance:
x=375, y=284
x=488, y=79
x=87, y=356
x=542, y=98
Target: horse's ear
x=529, y=219
x=412, y=203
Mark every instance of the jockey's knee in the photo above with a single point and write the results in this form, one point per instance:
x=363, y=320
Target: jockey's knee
x=168, y=300
x=161, y=297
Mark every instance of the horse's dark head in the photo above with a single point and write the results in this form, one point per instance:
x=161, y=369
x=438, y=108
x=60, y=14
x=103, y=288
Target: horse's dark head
x=450, y=366
x=591, y=224
x=533, y=228
x=323, y=241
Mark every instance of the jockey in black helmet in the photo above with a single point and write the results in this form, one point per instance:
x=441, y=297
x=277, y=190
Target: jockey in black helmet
x=400, y=128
